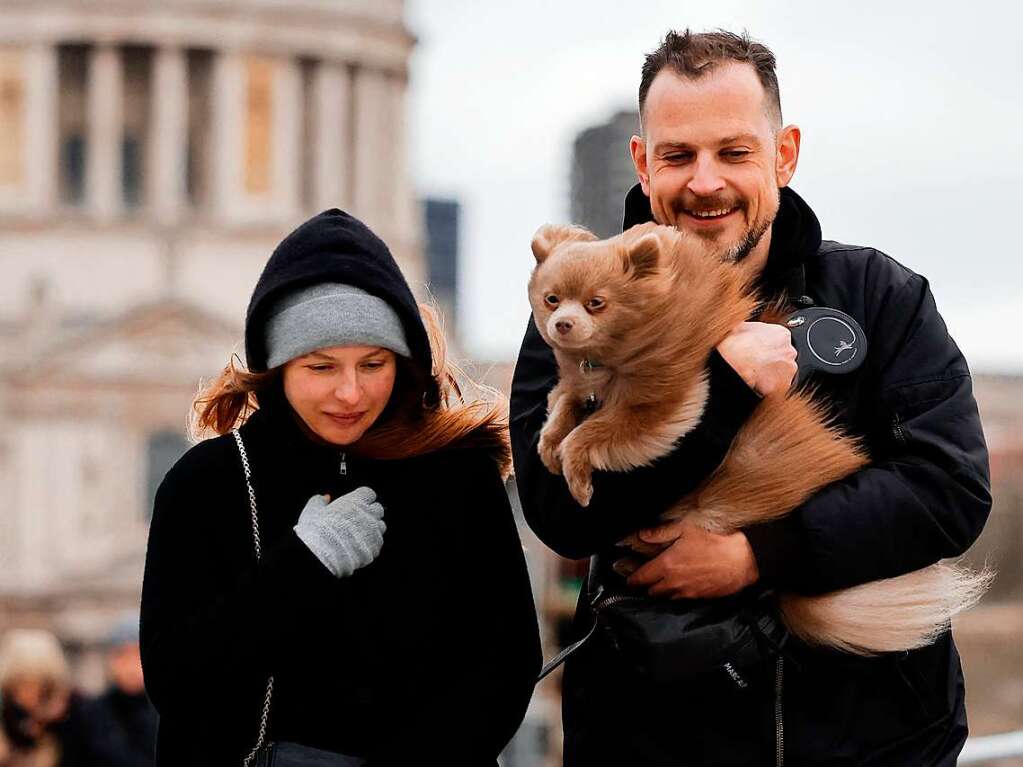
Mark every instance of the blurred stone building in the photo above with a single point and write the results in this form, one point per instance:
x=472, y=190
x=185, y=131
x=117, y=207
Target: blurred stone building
x=151, y=156
x=602, y=172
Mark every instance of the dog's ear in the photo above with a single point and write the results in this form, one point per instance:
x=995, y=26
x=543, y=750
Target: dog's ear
x=549, y=236
x=643, y=256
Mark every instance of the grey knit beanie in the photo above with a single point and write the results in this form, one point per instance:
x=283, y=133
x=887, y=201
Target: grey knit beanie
x=331, y=314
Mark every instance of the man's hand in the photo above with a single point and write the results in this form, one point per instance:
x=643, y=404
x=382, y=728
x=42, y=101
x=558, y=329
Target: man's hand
x=698, y=564
x=762, y=354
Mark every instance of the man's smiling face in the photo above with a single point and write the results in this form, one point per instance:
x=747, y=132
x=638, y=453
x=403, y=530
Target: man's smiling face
x=713, y=157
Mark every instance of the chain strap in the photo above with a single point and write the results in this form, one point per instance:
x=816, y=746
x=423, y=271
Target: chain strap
x=265, y=716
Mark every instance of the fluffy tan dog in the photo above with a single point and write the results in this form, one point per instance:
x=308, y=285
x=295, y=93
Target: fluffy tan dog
x=632, y=321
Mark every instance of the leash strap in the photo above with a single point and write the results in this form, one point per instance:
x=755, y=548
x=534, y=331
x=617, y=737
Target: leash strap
x=560, y=658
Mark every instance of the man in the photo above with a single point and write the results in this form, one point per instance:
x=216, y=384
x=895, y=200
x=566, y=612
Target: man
x=121, y=729
x=715, y=160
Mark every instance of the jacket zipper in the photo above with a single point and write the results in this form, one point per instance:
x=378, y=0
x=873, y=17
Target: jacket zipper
x=897, y=430
x=613, y=600
x=344, y=466
x=779, y=720
x=599, y=601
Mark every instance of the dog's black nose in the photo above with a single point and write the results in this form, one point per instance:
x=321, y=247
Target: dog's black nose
x=563, y=326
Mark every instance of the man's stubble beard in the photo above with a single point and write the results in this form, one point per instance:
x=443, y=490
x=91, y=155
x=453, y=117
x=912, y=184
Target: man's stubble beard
x=750, y=240
x=739, y=251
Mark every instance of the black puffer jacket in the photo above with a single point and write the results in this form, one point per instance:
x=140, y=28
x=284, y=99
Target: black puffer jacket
x=428, y=652
x=924, y=497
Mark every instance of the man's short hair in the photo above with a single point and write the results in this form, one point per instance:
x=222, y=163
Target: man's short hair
x=692, y=55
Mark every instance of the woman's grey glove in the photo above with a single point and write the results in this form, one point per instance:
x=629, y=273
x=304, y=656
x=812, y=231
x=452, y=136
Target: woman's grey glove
x=346, y=533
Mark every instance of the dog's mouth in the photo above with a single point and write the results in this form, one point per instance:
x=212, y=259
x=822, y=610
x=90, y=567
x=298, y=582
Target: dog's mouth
x=569, y=344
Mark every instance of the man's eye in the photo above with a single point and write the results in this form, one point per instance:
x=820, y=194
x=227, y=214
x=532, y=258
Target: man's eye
x=551, y=299
x=596, y=303
x=736, y=154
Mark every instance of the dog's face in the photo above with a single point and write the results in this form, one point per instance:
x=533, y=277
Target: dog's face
x=586, y=293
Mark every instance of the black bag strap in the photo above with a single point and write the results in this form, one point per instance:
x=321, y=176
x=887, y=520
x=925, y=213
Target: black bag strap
x=592, y=587
x=264, y=716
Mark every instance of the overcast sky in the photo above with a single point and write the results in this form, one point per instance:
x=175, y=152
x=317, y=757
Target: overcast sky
x=911, y=114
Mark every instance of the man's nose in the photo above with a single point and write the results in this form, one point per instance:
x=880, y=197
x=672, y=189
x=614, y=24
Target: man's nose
x=706, y=180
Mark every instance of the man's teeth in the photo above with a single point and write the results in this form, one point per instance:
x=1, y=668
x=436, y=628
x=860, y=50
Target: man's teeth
x=709, y=213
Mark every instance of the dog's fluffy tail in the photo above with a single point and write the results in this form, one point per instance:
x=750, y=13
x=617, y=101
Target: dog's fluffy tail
x=889, y=615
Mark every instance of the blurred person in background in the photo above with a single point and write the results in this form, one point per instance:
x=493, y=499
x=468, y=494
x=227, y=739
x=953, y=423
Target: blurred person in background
x=387, y=594
x=119, y=728
x=39, y=712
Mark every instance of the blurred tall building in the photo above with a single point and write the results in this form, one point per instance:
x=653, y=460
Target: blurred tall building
x=441, y=219
x=602, y=173
x=151, y=156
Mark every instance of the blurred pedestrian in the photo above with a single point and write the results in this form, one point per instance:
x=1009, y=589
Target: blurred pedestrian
x=371, y=568
x=119, y=728
x=35, y=701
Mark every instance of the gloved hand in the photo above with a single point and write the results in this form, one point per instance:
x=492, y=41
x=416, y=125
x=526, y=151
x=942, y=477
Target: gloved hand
x=344, y=534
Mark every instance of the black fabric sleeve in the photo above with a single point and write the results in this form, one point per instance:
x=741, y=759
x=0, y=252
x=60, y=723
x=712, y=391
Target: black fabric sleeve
x=925, y=496
x=205, y=635
x=622, y=501
x=484, y=650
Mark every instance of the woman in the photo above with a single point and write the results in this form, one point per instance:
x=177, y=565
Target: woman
x=390, y=602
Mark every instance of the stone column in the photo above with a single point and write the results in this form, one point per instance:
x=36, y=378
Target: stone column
x=41, y=137
x=103, y=173
x=287, y=138
x=372, y=187
x=168, y=137
x=331, y=135
x=406, y=222
x=226, y=99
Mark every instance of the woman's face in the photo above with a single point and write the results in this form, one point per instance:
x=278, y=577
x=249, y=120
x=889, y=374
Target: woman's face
x=340, y=391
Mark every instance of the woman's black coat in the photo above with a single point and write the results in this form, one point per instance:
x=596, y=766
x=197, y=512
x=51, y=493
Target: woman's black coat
x=427, y=655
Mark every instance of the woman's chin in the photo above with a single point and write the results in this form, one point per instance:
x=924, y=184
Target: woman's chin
x=340, y=435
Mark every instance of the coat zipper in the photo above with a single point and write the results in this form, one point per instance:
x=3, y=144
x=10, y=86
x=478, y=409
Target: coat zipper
x=779, y=720
x=344, y=466
x=897, y=429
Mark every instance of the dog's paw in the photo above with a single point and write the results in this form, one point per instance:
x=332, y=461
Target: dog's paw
x=549, y=454
x=578, y=475
x=581, y=489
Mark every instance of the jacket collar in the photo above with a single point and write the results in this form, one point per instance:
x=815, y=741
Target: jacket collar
x=276, y=419
x=795, y=238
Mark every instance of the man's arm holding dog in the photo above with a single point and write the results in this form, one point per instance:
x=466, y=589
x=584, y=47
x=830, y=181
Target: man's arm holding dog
x=623, y=501
x=925, y=497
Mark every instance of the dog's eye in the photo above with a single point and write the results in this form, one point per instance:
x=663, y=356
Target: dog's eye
x=551, y=299
x=596, y=303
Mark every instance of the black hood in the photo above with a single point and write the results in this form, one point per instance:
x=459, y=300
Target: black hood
x=333, y=247
x=795, y=237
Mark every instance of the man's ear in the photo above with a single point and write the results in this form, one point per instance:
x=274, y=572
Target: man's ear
x=637, y=148
x=549, y=236
x=643, y=256
x=787, y=154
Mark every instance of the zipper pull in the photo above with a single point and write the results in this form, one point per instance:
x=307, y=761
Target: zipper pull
x=344, y=466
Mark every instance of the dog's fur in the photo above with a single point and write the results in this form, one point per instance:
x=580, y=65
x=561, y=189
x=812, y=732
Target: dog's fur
x=663, y=303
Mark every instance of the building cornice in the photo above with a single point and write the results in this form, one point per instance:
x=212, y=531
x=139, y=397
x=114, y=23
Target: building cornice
x=368, y=34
